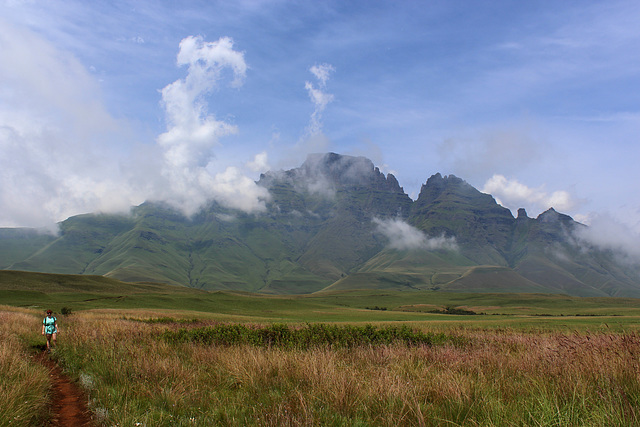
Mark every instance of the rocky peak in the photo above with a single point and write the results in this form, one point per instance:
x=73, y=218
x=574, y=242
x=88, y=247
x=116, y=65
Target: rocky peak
x=437, y=185
x=522, y=213
x=340, y=169
x=393, y=183
x=551, y=215
x=334, y=171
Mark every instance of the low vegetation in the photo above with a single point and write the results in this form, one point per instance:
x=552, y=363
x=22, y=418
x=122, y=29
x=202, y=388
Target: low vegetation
x=310, y=336
x=74, y=293
x=454, y=310
x=24, y=384
x=145, y=356
x=160, y=373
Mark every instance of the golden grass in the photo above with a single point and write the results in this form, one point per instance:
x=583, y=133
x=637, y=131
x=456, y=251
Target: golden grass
x=498, y=378
x=24, y=384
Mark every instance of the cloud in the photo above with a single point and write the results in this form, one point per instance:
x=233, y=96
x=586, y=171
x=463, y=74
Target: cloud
x=193, y=133
x=403, y=236
x=60, y=146
x=319, y=98
x=321, y=172
x=234, y=189
x=322, y=73
x=313, y=140
x=505, y=149
x=64, y=154
x=312, y=177
x=513, y=194
x=259, y=163
x=606, y=233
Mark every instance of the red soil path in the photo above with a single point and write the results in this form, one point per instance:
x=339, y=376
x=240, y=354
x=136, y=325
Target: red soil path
x=68, y=405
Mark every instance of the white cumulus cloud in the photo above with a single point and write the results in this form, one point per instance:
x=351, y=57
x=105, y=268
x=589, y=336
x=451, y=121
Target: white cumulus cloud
x=193, y=133
x=64, y=154
x=513, y=194
x=260, y=163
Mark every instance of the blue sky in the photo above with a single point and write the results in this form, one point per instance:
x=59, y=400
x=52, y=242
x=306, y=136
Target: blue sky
x=536, y=102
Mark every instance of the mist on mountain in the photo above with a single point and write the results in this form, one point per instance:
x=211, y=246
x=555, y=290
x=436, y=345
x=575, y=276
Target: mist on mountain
x=337, y=222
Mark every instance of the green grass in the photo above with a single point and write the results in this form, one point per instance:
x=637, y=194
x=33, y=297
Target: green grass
x=309, y=336
x=55, y=283
x=541, y=311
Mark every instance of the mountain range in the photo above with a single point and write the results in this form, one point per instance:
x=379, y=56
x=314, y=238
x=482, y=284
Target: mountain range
x=334, y=223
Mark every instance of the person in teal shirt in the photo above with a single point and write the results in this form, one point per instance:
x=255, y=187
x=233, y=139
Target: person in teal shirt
x=50, y=329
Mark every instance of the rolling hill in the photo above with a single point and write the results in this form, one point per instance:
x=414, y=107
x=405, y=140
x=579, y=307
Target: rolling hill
x=335, y=223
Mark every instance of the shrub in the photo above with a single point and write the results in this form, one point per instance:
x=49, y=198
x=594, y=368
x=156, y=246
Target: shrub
x=309, y=336
x=454, y=310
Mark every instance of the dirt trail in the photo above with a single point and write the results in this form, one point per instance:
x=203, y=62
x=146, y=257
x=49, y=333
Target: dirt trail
x=68, y=402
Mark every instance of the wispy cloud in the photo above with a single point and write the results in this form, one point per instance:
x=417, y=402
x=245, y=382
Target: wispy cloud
x=319, y=97
x=479, y=153
x=606, y=233
x=403, y=236
x=59, y=157
x=313, y=140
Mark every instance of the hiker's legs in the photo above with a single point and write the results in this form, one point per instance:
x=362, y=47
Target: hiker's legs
x=53, y=339
x=48, y=341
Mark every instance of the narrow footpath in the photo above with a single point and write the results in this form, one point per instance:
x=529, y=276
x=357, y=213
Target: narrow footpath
x=67, y=402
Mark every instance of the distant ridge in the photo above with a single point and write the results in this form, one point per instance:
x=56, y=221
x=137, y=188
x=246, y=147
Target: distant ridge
x=336, y=222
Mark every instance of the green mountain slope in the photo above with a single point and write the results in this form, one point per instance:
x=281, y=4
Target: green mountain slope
x=18, y=244
x=82, y=239
x=451, y=207
x=335, y=223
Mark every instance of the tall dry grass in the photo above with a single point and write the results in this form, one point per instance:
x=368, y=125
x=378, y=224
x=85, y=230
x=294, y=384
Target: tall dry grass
x=499, y=378
x=24, y=384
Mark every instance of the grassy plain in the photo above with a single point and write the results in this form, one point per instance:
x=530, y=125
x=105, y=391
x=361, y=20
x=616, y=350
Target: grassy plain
x=531, y=359
x=499, y=310
x=133, y=375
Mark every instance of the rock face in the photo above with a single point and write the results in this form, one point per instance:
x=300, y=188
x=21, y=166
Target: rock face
x=551, y=216
x=329, y=224
x=450, y=206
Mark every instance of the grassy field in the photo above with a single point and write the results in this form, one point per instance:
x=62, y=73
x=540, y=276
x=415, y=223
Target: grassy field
x=134, y=373
x=152, y=355
x=535, y=311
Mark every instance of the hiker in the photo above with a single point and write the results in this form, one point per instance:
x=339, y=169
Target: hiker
x=50, y=329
